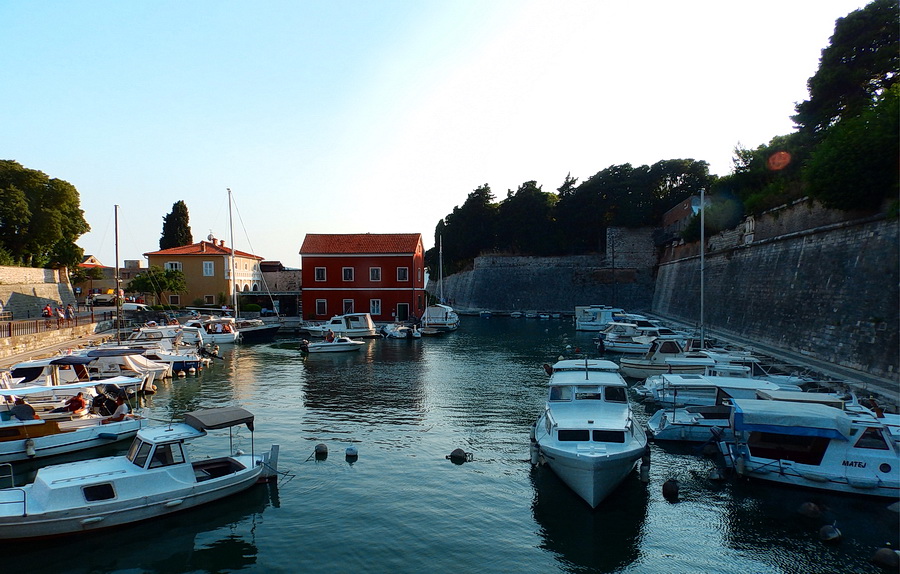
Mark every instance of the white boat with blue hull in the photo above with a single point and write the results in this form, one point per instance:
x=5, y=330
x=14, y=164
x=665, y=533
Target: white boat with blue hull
x=814, y=446
x=587, y=433
x=155, y=478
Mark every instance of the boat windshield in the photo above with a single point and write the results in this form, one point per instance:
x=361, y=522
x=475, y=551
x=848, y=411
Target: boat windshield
x=139, y=452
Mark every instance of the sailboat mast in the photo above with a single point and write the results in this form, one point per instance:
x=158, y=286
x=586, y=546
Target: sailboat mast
x=441, y=268
x=116, y=296
x=702, y=268
x=231, y=239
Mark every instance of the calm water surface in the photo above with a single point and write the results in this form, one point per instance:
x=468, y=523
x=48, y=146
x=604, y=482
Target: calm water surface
x=403, y=507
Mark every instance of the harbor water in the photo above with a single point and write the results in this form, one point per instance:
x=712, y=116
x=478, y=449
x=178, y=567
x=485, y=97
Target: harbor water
x=404, y=506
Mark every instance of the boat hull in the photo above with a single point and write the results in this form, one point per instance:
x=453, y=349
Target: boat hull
x=258, y=334
x=591, y=475
x=66, y=442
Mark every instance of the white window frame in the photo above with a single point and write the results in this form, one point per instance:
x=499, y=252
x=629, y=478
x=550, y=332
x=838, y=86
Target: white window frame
x=174, y=265
x=316, y=274
x=347, y=305
x=405, y=272
x=321, y=307
x=347, y=273
x=209, y=268
x=375, y=274
x=374, y=307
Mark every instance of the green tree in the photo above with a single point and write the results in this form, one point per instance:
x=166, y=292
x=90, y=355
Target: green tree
x=176, y=228
x=158, y=281
x=525, y=221
x=857, y=163
x=40, y=218
x=466, y=232
x=79, y=274
x=858, y=66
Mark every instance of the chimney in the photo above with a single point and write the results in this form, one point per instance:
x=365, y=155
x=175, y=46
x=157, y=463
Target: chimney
x=202, y=247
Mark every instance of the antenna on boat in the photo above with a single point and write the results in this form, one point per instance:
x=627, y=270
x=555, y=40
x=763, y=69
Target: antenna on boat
x=586, y=377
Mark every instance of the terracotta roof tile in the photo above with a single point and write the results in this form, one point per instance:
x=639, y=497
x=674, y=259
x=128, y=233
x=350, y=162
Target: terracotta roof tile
x=204, y=248
x=353, y=243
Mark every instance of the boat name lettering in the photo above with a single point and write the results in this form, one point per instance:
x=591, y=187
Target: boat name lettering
x=854, y=463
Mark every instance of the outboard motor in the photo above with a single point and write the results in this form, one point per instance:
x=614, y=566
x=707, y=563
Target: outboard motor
x=103, y=405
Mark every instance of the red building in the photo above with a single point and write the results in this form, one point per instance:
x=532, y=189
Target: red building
x=380, y=274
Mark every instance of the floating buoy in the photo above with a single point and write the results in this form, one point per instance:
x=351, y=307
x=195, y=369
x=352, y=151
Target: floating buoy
x=192, y=371
x=351, y=454
x=670, y=490
x=887, y=558
x=460, y=456
x=645, y=466
x=321, y=451
x=716, y=474
x=810, y=510
x=181, y=374
x=830, y=534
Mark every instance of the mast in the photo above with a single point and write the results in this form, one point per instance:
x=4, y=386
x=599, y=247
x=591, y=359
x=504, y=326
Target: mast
x=702, y=267
x=231, y=239
x=116, y=296
x=441, y=269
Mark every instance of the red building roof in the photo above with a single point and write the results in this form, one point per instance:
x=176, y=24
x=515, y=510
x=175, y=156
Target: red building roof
x=359, y=243
x=204, y=248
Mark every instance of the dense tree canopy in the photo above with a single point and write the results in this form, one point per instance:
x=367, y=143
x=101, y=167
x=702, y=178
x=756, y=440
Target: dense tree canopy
x=176, y=228
x=40, y=219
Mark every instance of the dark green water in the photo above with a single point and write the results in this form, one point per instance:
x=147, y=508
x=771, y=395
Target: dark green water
x=403, y=507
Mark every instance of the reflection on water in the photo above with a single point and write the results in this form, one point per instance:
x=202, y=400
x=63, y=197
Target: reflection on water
x=605, y=539
x=217, y=537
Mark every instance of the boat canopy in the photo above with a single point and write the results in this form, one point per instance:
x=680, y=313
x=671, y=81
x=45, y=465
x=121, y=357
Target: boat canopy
x=220, y=418
x=114, y=352
x=802, y=419
x=45, y=389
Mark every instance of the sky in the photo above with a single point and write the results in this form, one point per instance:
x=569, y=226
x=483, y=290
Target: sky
x=353, y=116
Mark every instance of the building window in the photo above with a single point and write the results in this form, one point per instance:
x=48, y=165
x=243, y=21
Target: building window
x=375, y=306
x=174, y=300
x=347, y=273
x=209, y=268
x=320, y=274
x=418, y=275
x=402, y=273
x=174, y=265
x=348, y=306
x=374, y=273
x=209, y=299
x=321, y=307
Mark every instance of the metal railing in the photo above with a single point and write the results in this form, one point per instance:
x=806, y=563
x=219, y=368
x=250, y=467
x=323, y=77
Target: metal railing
x=47, y=324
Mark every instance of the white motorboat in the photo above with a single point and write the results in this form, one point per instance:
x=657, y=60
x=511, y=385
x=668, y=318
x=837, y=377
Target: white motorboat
x=587, y=433
x=156, y=478
x=814, y=446
x=594, y=317
x=216, y=330
x=256, y=330
x=338, y=345
x=440, y=318
x=690, y=424
x=358, y=325
x=60, y=433
x=704, y=390
x=400, y=331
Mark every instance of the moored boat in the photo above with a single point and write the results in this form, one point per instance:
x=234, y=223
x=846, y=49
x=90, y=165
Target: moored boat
x=587, y=433
x=155, y=478
x=814, y=446
x=440, y=318
x=358, y=325
x=338, y=345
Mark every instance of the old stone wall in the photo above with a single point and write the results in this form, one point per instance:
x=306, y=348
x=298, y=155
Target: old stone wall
x=24, y=290
x=38, y=342
x=829, y=292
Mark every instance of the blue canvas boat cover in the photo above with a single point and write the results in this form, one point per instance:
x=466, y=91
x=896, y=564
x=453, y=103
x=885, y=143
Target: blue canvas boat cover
x=800, y=419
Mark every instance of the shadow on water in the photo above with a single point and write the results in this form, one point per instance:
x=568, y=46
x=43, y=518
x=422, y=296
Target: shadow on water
x=216, y=537
x=604, y=539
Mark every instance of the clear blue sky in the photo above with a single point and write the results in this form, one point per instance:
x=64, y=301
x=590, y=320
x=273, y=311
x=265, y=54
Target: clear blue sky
x=358, y=116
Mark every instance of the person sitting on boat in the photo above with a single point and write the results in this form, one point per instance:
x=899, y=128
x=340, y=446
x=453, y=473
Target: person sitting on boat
x=329, y=336
x=122, y=411
x=23, y=411
x=75, y=404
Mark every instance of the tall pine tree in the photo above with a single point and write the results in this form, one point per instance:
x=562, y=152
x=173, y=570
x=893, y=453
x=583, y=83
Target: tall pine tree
x=176, y=229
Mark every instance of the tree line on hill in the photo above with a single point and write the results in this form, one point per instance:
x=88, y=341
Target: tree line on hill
x=844, y=153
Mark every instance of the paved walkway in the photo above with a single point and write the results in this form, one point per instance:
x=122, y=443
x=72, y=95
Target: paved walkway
x=50, y=350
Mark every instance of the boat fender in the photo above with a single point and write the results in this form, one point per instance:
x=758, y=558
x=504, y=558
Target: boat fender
x=192, y=371
x=535, y=453
x=321, y=451
x=351, y=454
x=459, y=456
x=181, y=374
x=740, y=466
x=887, y=558
x=108, y=435
x=645, y=472
x=29, y=448
x=830, y=534
x=670, y=490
